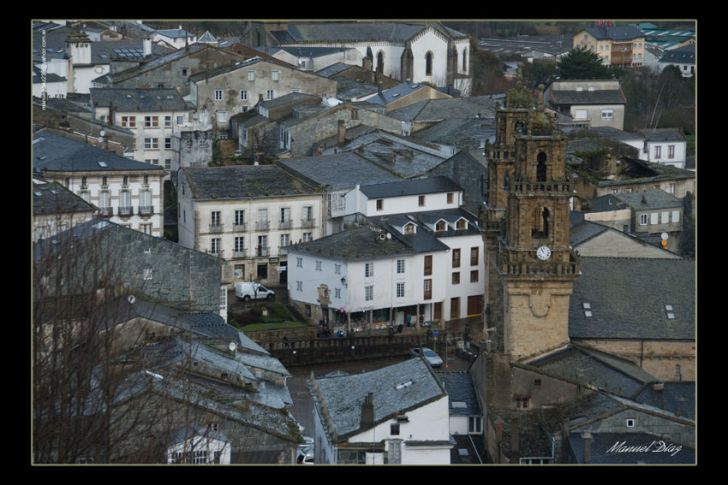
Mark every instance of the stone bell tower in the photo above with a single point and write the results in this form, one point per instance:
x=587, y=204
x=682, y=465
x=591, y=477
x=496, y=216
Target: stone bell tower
x=535, y=262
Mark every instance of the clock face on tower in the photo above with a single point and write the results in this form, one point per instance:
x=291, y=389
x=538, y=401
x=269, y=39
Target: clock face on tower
x=543, y=253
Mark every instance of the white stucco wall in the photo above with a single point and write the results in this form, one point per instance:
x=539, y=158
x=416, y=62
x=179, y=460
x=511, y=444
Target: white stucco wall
x=677, y=161
x=430, y=41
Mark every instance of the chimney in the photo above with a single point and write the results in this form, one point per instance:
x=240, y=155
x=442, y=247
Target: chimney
x=541, y=88
x=586, y=435
x=147, y=44
x=367, y=412
x=366, y=64
x=342, y=132
x=379, y=88
x=378, y=76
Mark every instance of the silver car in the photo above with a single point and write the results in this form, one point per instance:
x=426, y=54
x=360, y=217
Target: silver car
x=429, y=354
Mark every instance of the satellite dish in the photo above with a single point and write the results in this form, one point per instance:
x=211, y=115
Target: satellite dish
x=664, y=236
x=233, y=346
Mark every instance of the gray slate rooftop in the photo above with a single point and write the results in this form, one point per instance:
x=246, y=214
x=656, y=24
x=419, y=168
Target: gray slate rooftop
x=462, y=133
x=649, y=199
x=201, y=76
x=242, y=182
x=619, y=32
x=607, y=203
x=628, y=297
x=430, y=185
x=614, y=134
x=291, y=99
x=395, y=93
x=612, y=96
x=584, y=231
x=341, y=171
x=344, y=396
x=176, y=33
x=104, y=52
x=676, y=397
x=443, y=109
x=354, y=32
x=663, y=134
x=359, y=244
x=681, y=55
x=50, y=77
x=53, y=198
x=138, y=100
x=459, y=386
x=589, y=367
x=55, y=152
x=333, y=69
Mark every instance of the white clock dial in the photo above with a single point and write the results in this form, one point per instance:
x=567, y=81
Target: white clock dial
x=543, y=253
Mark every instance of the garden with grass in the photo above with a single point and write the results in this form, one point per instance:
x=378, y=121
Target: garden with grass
x=265, y=316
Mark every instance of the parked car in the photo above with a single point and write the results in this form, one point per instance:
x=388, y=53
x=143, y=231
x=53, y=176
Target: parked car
x=304, y=454
x=249, y=290
x=429, y=354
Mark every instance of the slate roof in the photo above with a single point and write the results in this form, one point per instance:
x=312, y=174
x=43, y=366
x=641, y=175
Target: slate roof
x=676, y=397
x=628, y=297
x=55, y=152
x=662, y=135
x=242, y=182
x=53, y=198
x=444, y=109
x=224, y=69
x=138, y=100
x=50, y=77
x=104, y=52
x=607, y=203
x=424, y=240
x=593, y=368
x=430, y=185
x=614, y=134
x=175, y=33
x=358, y=244
x=581, y=233
x=618, y=33
x=649, y=199
x=393, y=94
x=462, y=133
x=312, y=51
x=601, y=443
x=343, y=396
x=341, y=171
x=162, y=60
x=586, y=97
x=333, y=69
x=291, y=99
x=636, y=171
x=682, y=55
x=553, y=44
x=350, y=32
x=459, y=386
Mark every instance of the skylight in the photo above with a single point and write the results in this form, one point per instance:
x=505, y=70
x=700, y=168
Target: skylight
x=102, y=164
x=458, y=405
x=586, y=306
x=403, y=385
x=38, y=194
x=587, y=313
x=671, y=316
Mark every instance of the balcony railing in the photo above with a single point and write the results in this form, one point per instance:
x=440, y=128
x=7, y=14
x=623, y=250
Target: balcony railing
x=262, y=252
x=282, y=250
x=126, y=211
x=146, y=210
x=240, y=254
x=308, y=222
x=106, y=211
x=548, y=187
x=219, y=253
x=216, y=227
x=287, y=224
x=242, y=227
x=262, y=225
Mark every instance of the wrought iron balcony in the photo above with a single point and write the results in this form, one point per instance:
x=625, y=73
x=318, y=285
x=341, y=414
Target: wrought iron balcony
x=219, y=253
x=262, y=225
x=126, y=211
x=146, y=210
x=308, y=223
x=242, y=227
x=106, y=211
x=262, y=252
x=287, y=224
x=282, y=250
x=216, y=228
x=240, y=254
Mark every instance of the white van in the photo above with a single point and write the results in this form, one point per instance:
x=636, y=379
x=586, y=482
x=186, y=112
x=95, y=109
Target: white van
x=248, y=290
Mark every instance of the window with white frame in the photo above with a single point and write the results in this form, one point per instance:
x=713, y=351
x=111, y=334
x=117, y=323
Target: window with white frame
x=180, y=120
x=168, y=121
x=665, y=217
x=299, y=262
x=151, y=143
x=368, y=293
x=151, y=121
x=654, y=217
x=239, y=244
x=400, y=290
x=643, y=219
x=243, y=95
x=218, y=95
x=368, y=270
x=475, y=425
x=607, y=114
x=658, y=151
x=168, y=143
x=275, y=75
x=400, y=266
x=239, y=217
x=675, y=216
x=251, y=75
x=285, y=240
x=318, y=265
x=128, y=121
x=307, y=236
x=215, y=245
x=269, y=94
x=299, y=285
x=337, y=293
x=168, y=163
x=222, y=116
x=337, y=269
x=670, y=151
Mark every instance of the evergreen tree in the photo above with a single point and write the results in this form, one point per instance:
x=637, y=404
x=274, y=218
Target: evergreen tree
x=581, y=63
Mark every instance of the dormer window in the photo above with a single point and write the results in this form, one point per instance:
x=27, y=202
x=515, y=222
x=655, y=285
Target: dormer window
x=410, y=228
x=462, y=224
x=441, y=226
